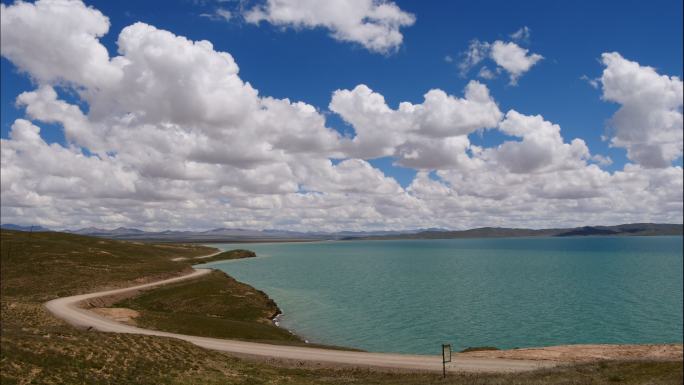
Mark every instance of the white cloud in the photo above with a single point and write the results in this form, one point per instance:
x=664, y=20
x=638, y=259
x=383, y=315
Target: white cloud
x=374, y=24
x=429, y=135
x=601, y=160
x=649, y=121
x=486, y=73
x=62, y=172
x=513, y=58
x=64, y=49
x=508, y=56
x=594, y=83
x=219, y=14
x=523, y=34
x=541, y=149
x=42, y=104
x=172, y=137
x=477, y=51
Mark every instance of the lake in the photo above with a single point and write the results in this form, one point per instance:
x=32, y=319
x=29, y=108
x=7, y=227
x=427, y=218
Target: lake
x=410, y=296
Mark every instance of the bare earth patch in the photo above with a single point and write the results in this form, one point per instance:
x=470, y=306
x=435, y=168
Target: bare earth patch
x=119, y=314
x=587, y=353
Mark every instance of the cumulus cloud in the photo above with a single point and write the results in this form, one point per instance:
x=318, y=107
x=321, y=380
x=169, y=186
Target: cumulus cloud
x=649, y=121
x=43, y=104
x=374, y=24
x=63, y=172
x=541, y=147
x=174, y=126
x=66, y=47
x=429, y=135
x=508, y=56
x=513, y=58
x=167, y=134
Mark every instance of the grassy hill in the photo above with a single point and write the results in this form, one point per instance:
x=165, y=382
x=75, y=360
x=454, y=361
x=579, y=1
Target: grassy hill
x=210, y=306
x=47, y=265
x=37, y=348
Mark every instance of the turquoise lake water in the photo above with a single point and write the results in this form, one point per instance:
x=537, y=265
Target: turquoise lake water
x=411, y=296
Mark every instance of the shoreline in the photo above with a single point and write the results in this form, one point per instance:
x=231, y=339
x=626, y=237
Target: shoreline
x=568, y=352
x=276, y=322
x=277, y=314
x=69, y=310
x=553, y=355
x=566, y=349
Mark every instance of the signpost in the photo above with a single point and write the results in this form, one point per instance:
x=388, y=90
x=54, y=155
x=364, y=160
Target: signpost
x=446, y=357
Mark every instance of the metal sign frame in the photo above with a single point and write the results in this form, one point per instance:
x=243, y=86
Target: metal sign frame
x=446, y=357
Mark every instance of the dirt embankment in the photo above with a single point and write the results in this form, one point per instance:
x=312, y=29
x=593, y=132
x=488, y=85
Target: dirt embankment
x=118, y=314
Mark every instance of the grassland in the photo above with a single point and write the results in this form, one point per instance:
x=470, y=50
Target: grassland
x=44, y=266
x=214, y=305
x=36, y=348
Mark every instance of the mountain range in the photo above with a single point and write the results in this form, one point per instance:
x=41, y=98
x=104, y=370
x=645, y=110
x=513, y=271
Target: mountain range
x=9, y=226
x=246, y=235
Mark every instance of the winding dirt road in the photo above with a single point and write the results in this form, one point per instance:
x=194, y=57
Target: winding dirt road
x=68, y=309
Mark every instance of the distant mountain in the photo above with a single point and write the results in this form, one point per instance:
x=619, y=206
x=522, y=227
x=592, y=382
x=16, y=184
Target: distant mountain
x=483, y=232
x=247, y=235
x=230, y=235
x=628, y=229
x=214, y=235
x=120, y=231
x=637, y=229
x=10, y=226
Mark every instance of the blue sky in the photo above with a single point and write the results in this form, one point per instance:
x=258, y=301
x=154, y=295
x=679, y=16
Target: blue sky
x=307, y=64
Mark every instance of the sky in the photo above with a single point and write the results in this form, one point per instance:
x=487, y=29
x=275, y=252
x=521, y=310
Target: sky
x=340, y=115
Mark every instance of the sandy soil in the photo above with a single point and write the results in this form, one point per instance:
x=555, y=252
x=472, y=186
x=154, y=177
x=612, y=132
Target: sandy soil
x=587, y=353
x=118, y=314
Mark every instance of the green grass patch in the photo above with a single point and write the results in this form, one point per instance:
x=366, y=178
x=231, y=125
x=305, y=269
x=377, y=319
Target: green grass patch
x=227, y=255
x=214, y=305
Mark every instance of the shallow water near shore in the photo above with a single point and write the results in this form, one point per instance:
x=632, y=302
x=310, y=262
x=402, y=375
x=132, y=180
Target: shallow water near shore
x=410, y=296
